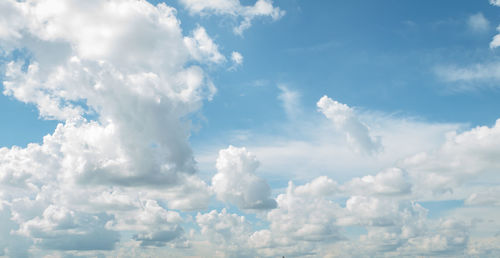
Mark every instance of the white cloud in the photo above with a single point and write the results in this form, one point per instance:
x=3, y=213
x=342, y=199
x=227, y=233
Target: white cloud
x=138, y=87
x=236, y=182
x=345, y=119
x=124, y=180
x=62, y=229
x=11, y=245
x=391, y=181
x=462, y=159
x=237, y=58
x=478, y=22
x=235, y=9
x=487, y=197
x=128, y=64
x=496, y=39
x=202, y=47
x=495, y=2
x=470, y=77
x=229, y=234
x=290, y=100
x=386, y=204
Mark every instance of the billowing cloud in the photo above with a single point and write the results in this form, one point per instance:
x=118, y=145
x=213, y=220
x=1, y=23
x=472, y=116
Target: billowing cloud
x=229, y=233
x=128, y=65
x=462, y=158
x=117, y=177
x=235, y=9
x=62, y=229
x=236, y=182
x=345, y=120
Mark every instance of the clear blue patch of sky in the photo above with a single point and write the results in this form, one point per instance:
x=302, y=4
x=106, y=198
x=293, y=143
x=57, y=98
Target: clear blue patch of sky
x=21, y=124
x=438, y=208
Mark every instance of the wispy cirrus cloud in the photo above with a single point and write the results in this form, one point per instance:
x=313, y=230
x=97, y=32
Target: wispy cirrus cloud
x=234, y=8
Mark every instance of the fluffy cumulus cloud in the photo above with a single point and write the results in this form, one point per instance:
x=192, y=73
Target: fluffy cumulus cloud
x=344, y=118
x=117, y=177
x=235, y=9
x=228, y=233
x=236, y=182
x=128, y=65
x=463, y=158
x=387, y=210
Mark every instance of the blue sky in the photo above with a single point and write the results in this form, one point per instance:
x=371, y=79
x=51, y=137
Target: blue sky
x=244, y=128
x=370, y=55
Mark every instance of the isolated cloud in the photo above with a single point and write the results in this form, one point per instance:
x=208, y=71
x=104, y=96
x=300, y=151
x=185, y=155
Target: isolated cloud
x=237, y=59
x=478, y=23
x=236, y=182
x=290, y=100
x=234, y=9
x=345, y=120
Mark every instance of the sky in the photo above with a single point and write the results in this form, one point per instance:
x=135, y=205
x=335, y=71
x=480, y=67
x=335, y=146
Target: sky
x=249, y=128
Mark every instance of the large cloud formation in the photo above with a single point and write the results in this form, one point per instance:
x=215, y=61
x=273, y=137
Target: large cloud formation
x=128, y=65
x=117, y=176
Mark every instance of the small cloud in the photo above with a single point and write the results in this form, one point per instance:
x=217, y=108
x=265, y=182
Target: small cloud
x=246, y=13
x=290, y=101
x=345, y=120
x=202, y=47
x=237, y=60
x=478, y=23
x=471, y=77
